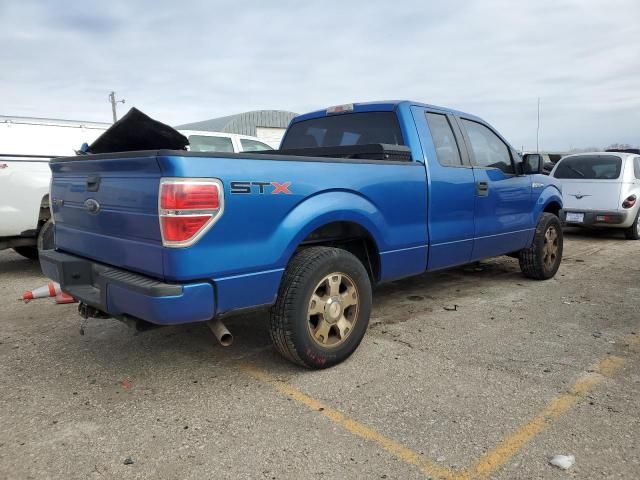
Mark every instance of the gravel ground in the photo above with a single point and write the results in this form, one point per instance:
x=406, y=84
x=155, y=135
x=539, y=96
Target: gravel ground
x=450, y=380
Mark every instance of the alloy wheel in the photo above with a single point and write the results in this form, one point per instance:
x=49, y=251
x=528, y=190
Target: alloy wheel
x=333, y=310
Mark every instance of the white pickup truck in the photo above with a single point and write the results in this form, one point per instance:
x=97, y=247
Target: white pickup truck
x=27, y=144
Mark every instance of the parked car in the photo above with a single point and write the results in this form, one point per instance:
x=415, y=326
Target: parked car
x=27, y=144
x=601, y=190
x=358, y=194
x=223, y=142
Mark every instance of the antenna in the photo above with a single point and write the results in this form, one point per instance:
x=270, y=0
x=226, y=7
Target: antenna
x=113, y=101
x=538, y=129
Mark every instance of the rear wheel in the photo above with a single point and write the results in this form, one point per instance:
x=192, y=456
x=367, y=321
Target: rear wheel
x=633, y=232
x=44, y=241
x=45, y=236
x=542, y=260
x=323, y=307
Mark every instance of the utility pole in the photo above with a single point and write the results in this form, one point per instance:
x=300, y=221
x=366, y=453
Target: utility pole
x=537, y=129
x=113, y=101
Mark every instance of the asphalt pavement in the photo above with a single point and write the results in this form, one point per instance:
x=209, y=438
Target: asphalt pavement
x=475, y=372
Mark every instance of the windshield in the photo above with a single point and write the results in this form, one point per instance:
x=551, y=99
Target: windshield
x=589, y=167
x=345, y=129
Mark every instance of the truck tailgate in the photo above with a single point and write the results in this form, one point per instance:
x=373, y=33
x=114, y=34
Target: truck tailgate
x=106, y=209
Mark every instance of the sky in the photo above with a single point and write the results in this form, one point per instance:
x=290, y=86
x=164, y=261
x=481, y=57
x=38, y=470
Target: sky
x=188, y=61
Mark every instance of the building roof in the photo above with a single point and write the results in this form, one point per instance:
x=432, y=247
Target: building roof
x=244, y=123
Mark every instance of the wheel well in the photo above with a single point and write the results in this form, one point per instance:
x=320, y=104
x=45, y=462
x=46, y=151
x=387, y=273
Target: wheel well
x=351, y=237
x=553, y=207
x=45, y=211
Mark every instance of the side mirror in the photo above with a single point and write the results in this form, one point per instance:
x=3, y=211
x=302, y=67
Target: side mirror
x=532, y=163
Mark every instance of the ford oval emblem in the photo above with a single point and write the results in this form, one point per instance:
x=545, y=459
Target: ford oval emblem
x=92, y=205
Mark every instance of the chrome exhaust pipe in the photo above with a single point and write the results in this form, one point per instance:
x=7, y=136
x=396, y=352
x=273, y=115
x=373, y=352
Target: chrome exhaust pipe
x=222, y=334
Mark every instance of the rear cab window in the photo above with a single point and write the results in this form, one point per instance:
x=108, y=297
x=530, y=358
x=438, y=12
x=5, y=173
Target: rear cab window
x=206, y=143
x=589, y=167
x=362, y=128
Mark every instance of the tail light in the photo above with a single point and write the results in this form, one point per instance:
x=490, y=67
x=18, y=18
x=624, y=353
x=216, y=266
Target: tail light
x=629, y=202
x=187, y=208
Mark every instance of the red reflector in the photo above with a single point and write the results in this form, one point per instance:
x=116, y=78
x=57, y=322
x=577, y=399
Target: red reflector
x=181, y=228
x=189, y=196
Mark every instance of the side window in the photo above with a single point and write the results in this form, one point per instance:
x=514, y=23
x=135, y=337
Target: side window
x=636, y=167
x=205, y=143
x=488, y=149
x=444, y=141
x=249, y=145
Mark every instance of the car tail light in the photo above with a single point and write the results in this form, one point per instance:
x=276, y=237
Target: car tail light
x=187, y=208
x=629, y=202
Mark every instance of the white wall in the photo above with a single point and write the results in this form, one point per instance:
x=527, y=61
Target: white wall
x=272, y=136
x=45, y=139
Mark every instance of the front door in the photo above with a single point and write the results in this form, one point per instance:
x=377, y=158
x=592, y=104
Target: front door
x=503, y=201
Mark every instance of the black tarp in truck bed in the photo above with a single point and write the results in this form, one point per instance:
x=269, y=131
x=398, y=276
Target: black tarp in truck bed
x=137, y=131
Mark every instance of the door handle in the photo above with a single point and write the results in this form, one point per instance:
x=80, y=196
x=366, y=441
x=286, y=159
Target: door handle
x=482, y=189
x=93, y=183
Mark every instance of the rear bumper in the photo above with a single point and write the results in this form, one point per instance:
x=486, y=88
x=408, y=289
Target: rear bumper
x=122, y=293
x=598, y=218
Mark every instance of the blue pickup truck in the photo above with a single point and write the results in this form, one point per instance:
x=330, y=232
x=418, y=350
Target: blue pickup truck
x=357, y=195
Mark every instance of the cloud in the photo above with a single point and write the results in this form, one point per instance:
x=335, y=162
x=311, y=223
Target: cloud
x=188, y=61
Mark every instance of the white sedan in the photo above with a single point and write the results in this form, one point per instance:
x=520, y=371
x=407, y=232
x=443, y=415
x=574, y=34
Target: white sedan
x=601, y=190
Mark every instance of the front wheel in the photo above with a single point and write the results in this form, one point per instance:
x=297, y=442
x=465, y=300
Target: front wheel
x=633, y=232
x=323, y=307
x=542, y=260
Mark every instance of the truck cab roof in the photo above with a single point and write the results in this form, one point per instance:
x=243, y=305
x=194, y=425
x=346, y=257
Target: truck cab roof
x=379, y=106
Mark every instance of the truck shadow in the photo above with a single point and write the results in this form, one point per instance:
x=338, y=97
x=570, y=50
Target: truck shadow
x=193, y=347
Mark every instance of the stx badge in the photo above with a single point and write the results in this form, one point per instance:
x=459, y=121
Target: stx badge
x=272, y=188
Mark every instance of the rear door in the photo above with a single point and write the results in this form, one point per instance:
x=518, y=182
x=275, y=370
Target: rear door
x=503, y=201
x=451, y=187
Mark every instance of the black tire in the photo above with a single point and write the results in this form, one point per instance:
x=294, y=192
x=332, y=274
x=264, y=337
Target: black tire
x=291, y=322
x=633, y=232
x=537, y=261
x=46, y=240
x=29, y=252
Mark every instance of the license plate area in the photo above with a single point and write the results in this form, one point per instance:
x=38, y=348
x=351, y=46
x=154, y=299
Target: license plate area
x=575, y=217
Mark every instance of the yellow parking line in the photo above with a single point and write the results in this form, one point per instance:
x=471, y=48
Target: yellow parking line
x=396, y=449
x=492, y=460
x=511, y=445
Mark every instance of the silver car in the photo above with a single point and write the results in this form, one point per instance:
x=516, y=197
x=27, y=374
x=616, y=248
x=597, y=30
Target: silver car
x=601, y=190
